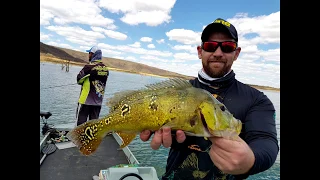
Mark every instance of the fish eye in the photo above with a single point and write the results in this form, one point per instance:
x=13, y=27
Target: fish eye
x=222, y=108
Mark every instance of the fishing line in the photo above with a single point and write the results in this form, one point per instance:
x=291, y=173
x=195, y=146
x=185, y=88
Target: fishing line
x=59, y=86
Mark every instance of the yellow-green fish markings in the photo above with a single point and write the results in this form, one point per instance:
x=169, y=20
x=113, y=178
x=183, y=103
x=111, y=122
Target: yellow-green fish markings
x=171, y=103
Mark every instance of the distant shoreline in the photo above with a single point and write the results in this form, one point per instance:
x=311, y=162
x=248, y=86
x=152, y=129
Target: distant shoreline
x=61, y=61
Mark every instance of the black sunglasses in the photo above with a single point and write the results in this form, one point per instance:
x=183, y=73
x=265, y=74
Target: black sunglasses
x=226, y=46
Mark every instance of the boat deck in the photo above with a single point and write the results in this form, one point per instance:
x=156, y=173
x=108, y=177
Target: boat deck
x=70, y=164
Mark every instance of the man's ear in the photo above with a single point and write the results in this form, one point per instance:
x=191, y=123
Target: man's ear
x=199, y=49
x=238, y=50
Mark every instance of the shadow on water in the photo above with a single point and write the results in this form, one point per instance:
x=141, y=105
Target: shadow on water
x=61, y=100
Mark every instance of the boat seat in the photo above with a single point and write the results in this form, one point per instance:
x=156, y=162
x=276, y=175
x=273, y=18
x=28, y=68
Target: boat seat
x=45, y=114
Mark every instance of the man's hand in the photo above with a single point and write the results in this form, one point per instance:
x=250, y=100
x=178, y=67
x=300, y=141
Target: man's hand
x=162, y=136
x=231, y=156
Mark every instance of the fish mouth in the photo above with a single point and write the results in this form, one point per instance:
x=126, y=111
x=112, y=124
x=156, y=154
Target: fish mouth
x=205, y=125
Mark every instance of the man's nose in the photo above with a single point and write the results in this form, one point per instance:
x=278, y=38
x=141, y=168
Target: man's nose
x=218, y=52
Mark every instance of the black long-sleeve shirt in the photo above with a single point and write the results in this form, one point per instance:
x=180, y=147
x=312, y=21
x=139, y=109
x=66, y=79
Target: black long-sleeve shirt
x=93, y=78
x=190, y=159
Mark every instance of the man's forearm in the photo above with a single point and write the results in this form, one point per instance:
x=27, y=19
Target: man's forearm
x=265, y=152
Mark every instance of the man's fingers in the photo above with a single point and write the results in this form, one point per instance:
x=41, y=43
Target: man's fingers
x=166, y=137
x=145, y=135
x=156, y=140
x=217, y=160
x=180, y=136
x=162, y=137
x=228, y=145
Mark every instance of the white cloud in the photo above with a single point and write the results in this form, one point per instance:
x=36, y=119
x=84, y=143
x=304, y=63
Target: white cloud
x=257, y=73
x=62, y=45
x=184, y=36
x=136, y=45
x=188, y=48
x=249, y=57
x=250, y=48
x=108, y=52
x=151, y=13
x=266, y=26
x=151, y=46
x=271, y=55
x=77, y=35
x=45, y=16
x=136, y=50
x=178, y=67
x=182, y=57
x=160, y=41
x=44, y=37
x=73, y=11
x=146, y=39
x=153, y=58
x=111, y=33
x=152, y=18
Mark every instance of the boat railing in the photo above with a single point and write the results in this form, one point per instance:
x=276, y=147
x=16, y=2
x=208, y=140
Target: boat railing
x=43, y=141
x=131, y=158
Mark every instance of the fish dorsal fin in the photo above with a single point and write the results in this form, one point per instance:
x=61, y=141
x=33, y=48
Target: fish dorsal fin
x=117, y=98
x=176, y=83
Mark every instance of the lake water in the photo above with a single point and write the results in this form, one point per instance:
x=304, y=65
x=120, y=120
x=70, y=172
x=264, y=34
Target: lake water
x=59, y=94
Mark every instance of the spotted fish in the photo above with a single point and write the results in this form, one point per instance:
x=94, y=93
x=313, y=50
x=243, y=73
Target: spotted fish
x=171, y=103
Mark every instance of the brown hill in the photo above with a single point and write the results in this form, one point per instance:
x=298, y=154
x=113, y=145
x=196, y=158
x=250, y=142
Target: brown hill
x=119, y=64
x=58, y=53
x=76, y=56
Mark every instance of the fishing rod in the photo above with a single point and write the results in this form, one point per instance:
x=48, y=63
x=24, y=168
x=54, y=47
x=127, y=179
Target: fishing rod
x=59, y=86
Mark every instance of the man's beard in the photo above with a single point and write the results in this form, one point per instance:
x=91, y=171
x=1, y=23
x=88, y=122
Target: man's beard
x=214, y=73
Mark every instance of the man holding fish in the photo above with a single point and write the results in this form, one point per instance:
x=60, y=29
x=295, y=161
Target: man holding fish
x=254, y=150
x=223, y=129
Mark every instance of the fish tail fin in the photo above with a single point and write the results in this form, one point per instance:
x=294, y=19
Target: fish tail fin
x=87, y=137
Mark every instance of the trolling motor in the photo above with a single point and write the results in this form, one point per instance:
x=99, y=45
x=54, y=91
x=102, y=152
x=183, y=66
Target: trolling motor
x=44, y=116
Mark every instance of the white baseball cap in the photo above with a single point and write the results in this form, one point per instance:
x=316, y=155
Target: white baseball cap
x=93, y=49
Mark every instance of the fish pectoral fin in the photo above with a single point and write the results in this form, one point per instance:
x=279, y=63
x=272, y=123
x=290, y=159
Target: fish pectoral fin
x=189, y=133
x=126, y=138
x=170, y=123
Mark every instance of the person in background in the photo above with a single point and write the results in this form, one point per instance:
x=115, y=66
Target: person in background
x=219, y=158
x=92, y=78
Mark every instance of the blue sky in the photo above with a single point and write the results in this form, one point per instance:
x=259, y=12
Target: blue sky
x=165, y=33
